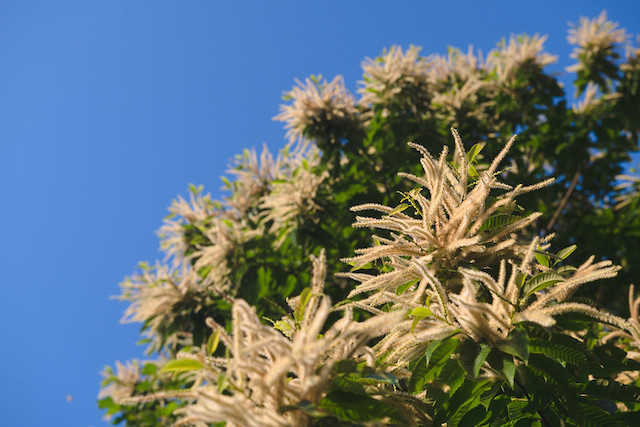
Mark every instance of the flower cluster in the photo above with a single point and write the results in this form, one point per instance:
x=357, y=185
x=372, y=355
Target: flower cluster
x=396, y=78
x=270, y=369
x=595, y=41
x=592, y=37
x=319, y=110
x=441, y=264
x=522, y=52
x=121, y=384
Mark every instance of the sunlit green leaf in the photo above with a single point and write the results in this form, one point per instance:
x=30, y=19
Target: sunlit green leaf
x=181, y=365
x=542, y=281
x=213, y=341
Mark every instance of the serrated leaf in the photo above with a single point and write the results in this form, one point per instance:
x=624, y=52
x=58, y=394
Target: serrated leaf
x=566, y=269
x=609, y=389
x=560, y=351
x=356, y=407
x=349, y=384
x=452, y=375
x=345, y=366
x=181, y=365
x=542, y=281
x=516, y=408
x=552, y=370
x=499, y=221
x=596, y=416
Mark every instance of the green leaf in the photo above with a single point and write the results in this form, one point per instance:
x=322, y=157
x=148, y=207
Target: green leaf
x=609, y=389
x=472, y=355
x=503, y=364
x=430, y=365
x=516, y=408
x=541, y=281
x=566, y=269
x=558, y=350
x=212, y=342
x=421, y=312
x=348, y=383
x=222, y=382
x=440, y=350
x=596, y=416
x=345, y=366
x=398, y=209
x=306, y=406
x=356, y=407
x=564, y=253
x=476, y=417
x=543, y=259
x=452, y=375
x=181, y=365
x=516, y=344
x=226, y=181
x=384, y=377
x=474, y=151
x=149, y=369
x=508, y=370
x=284, y=327
x=463, y=400
x=305, y=296
x=403, y=288
x=264, y=280
x=499, y=221
x=552, y=370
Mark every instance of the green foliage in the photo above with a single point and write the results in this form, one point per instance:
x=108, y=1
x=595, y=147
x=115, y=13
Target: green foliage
x=565, y=362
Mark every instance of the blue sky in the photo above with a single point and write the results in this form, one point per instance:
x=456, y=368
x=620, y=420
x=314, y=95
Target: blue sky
x=109, y=109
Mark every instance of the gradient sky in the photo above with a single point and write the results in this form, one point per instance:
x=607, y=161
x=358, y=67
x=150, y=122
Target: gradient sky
x=109, y=109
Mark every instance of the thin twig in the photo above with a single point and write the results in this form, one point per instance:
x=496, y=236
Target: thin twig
x=563, y=202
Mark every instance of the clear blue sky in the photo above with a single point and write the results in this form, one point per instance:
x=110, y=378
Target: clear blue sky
x=109, y=109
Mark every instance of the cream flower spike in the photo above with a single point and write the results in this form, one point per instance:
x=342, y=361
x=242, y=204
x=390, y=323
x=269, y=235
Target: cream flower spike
x=631, y=331
x=592, y=37
x=453, y=227
x=315, y=103
x=266, y=370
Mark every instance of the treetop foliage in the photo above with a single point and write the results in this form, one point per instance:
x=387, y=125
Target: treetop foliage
x=475, y=285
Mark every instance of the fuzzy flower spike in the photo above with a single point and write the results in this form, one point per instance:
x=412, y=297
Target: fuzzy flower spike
x=457, y=225
x=461, y=264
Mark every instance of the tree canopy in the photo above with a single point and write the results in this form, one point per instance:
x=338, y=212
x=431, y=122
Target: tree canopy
x=379, y=271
